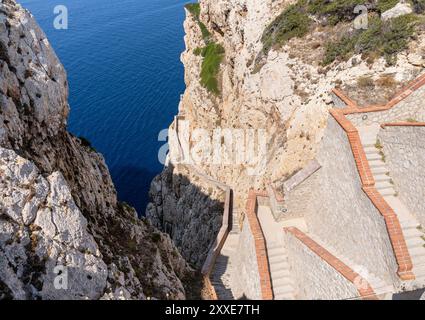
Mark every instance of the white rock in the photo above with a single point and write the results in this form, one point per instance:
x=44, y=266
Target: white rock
x=399, y=10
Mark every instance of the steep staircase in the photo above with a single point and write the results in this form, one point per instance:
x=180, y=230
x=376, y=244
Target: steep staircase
x=282, y=282
x=379, y=286
x=223, y=272
x=283, y=287
x=412, y=230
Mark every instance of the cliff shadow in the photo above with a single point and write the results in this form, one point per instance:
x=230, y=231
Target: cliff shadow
x=190, y=207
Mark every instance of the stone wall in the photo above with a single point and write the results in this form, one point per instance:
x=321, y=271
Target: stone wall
x=247, y=279
x=319, y=280
x=339, y=209
x=295, y=199
x=408, y=108
x=405, y=156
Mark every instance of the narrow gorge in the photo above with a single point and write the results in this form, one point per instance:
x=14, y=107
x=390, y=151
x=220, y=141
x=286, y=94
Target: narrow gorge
x=284, y=177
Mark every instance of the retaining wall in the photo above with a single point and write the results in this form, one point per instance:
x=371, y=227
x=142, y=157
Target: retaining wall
x=404, y=151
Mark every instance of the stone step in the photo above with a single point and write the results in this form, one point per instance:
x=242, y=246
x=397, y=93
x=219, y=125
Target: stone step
x=419, y=271
x=412, y=233
x=275, y=267
x=276, y=252
x=382, y=178
x=418, y=260
x=417, y=252
x=369, y=144
x=415, y=242
x=283, y=290
x=408, y=223
x=284, y=273
x=277, y=259
x=287, y=296
x=382, y=185
x=371, y=149
x=379, y=170
x=387, y=192
x=377, y=164
x=373, y=156
x=282, y=282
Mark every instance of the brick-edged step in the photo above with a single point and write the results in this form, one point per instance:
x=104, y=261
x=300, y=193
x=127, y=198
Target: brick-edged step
x=419, y=271
x=377, y=164
x=408, y=224
x=382, y=178
x=369, y=145
x=381, y=185
x=283, y=289
x=412, y=233
x=415, y=242
x=284, y=273
x=418, y=260
x=379, y=170
x=371, y=149
x=276, y=252
x=373, y=156
x=279, y=266
x=387, y=192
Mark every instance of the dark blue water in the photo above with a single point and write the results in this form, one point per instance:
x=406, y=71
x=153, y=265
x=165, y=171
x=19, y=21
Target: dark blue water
x=125, y=76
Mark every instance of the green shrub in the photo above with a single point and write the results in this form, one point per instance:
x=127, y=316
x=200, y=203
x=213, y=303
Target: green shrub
x=335, y=11
x=195, y=10
x=342, y=49
x=397, y=33
x=384, y=5
x=212, y=56
x=418, y=6
x=381, y=38
x=365, y=82
x=292, y=22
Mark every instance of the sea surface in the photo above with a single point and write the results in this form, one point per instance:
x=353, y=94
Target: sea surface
x=125, y=76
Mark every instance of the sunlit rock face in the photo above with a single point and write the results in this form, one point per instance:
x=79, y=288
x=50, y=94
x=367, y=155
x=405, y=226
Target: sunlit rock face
x=63, y=234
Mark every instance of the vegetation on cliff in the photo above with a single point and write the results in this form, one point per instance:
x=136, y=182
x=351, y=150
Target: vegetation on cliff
x=212, y=53
x=380, y=39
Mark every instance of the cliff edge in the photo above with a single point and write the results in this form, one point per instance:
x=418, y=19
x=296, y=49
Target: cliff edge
x=63, y=234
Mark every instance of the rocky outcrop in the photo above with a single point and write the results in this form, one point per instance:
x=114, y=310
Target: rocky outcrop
x=285, y=93
x=398, y=10
x=60, y=221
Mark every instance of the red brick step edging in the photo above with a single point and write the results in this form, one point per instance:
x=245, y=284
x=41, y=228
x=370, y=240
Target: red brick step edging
x=392, y=223
x=353, y=107
x=403, y=124
x=363, y=287
x=260, y=246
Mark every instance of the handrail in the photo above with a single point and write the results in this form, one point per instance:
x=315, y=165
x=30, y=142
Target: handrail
x=260, y=245
x=224, y=231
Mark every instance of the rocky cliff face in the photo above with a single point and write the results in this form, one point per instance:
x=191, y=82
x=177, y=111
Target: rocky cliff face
x=288, y=97
x=58, y=206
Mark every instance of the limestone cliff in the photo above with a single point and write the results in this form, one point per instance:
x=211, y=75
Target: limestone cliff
x=58, y=205
x=284, y=92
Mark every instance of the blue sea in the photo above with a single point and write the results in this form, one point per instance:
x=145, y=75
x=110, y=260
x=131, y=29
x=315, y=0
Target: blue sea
x=125, y=76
